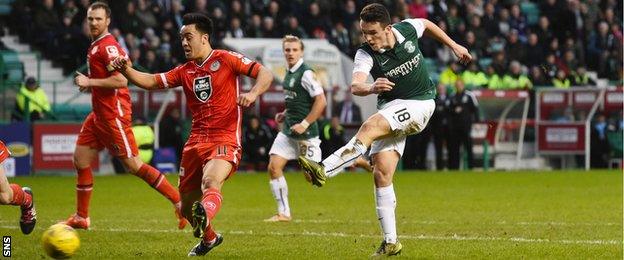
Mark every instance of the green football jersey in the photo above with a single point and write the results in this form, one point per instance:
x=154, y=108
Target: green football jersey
x=298, y=103
x=404, y=65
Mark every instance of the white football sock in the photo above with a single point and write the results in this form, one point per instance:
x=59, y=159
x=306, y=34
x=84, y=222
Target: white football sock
x=385, y=201
x=279, y=188
x=343, y=157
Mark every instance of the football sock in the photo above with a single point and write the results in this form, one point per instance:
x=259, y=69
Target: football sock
x=385, y=201
x=209, y=235
x=343, y=157
x=158, y=181
x=279, y=188
x=211, y=200
x=20, y=198
x=84, y=187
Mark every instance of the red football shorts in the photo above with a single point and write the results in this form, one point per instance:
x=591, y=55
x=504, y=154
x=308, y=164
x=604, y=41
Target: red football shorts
x=196, y=155
x=4, y=152
x=114, y=134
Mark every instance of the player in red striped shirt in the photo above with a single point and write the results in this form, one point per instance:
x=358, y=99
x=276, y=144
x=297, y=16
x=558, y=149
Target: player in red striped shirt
x=109, y=125
x=213, y=151
x=13, y=194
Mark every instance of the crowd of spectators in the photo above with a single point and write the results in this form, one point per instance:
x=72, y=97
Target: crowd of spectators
x=516, y=44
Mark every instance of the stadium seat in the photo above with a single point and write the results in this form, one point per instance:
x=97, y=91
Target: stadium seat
x=616, y=147
x=484, y=62
x=71, y=112
x=12, y=68
x=531, y=11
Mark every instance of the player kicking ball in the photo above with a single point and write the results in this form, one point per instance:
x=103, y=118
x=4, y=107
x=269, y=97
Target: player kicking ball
x=213, y=151
x=13, y=194
x=109, y=125
x=405, y=102
x=305, y=102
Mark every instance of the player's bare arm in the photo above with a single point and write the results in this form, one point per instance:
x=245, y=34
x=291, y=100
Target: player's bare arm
x=359, y=87
x=114, y=81
x=318, y=107
x=140, y=79
x=432, y=30
x=263, y=81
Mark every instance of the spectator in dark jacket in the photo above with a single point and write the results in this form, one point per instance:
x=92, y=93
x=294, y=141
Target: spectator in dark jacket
x=256, y=143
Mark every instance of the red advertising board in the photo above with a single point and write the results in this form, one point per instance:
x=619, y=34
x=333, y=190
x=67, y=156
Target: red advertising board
x=53, y=145
x=613, y=100
x=561, y=138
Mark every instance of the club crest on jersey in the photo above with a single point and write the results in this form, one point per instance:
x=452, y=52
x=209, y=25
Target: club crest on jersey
x=215, y=66
x=94, y=50
x=409, y=46
x=202, y=88
x=291, y=83
x=112, y=51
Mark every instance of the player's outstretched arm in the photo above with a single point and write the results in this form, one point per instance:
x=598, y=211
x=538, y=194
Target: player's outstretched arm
x=263, y=82
x=432, y=30
x=114, y=81
x=140, y=79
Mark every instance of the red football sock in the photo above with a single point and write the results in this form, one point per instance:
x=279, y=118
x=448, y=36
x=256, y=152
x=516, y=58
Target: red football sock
x=84, y=187
x=209, y=234
x=20, y=198
x=211, y=200
x=158, y=181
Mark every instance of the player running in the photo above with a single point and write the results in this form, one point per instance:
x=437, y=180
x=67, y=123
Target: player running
x=13, y=194
x=213, y=151
x=405, y=102
x=305, y=102
x=109, y=124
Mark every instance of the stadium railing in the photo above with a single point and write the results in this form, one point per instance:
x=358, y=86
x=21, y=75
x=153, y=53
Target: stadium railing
x=500, y=135
x=564, y=118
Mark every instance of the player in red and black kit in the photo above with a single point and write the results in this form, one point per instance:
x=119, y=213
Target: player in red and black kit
x=109, y=125
x=210, y=82
x=13, y=194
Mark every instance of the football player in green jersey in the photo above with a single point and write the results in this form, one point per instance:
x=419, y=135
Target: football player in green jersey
x=405, y=102
x=305, y=102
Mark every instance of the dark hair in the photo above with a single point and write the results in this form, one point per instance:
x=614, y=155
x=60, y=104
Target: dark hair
x=202, y=22
x=375, y=13
x=102, y=5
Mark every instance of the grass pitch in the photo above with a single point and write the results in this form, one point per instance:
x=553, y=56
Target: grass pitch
x=439, y=216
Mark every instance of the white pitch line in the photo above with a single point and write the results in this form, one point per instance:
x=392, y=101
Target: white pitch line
x=454, y=237
x=325, y=221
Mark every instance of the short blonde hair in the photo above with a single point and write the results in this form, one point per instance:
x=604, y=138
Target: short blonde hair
x=292, y=38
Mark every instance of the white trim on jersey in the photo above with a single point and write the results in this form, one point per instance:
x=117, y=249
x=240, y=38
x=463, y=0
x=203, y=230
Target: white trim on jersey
x=399, y=37
x=118, y=104
x=418, y=24
x=310, y=84
x=164, y=80
x=124, y=137
x=238, y=119
x=204, y=62
x=99, y=38
x=362, y=62
x=296, y=66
